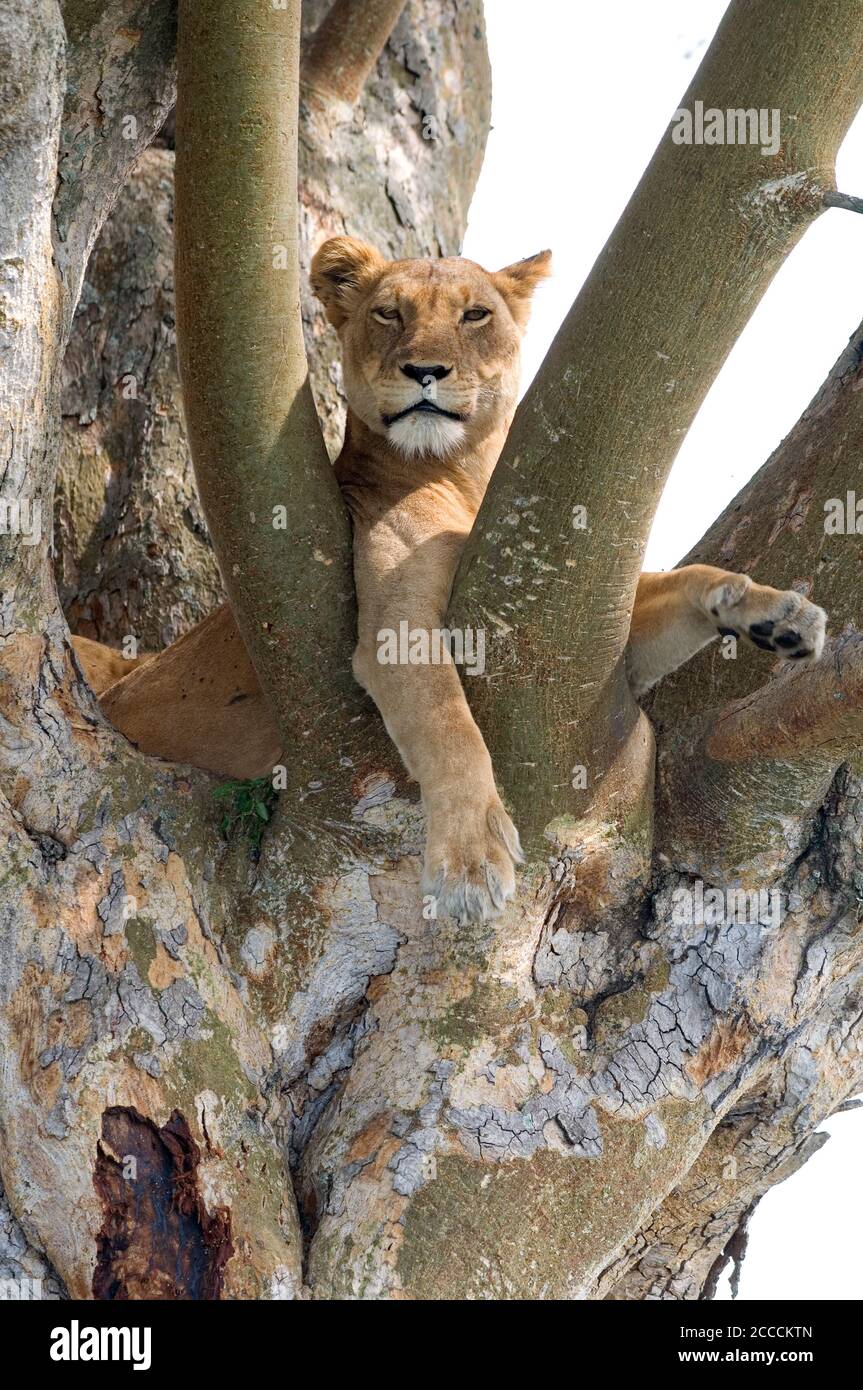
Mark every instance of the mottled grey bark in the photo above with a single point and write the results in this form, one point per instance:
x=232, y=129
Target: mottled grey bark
x=133, y=556
x=115, y=1004
x=22, y=1264
x=776, y=527
x=814, y=969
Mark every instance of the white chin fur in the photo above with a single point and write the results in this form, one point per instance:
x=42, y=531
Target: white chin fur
x=426, y=434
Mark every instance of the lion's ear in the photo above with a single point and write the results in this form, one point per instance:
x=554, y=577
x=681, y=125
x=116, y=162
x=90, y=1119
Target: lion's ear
x=517, y=283
x=340, y=268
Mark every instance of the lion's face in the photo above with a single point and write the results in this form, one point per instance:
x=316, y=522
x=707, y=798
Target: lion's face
x=430, y=349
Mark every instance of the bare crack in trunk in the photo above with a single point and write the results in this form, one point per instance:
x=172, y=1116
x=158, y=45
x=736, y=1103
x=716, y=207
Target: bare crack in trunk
x=158, y=1240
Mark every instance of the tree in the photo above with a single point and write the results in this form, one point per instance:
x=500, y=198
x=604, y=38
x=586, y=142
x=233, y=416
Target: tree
x=349, y=1100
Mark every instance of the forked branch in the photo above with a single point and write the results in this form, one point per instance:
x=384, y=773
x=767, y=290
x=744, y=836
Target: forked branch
x=551, y=568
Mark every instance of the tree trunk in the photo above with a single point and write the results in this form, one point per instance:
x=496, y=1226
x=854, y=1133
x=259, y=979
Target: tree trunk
x=347, y=1099
x=133, y=551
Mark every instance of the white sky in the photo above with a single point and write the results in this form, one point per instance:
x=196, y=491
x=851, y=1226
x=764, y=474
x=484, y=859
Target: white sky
x=582, y=96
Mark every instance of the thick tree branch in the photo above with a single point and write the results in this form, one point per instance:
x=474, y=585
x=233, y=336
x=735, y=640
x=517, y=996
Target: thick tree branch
x=764, y=762
x=134, y=557
x=347, y=45
x=770, y=1134
x=738, y=787
x=700, y=241
x=818, y=710
x=68, y=971
x=275, y=514
x=32, y=69
x=792, y=526
x=808, y=988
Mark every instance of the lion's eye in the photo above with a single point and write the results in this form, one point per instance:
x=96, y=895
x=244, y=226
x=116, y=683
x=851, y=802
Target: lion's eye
x=475, y=315
x=386, y=315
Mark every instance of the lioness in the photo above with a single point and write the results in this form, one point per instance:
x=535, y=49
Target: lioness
x=431, y=370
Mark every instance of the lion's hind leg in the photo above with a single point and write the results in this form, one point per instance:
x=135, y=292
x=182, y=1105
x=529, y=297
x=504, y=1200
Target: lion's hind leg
x=197, y=702
x=103, y=666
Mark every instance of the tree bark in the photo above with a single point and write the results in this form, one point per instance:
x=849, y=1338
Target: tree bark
x=346, y=46
x=777, y=526
x=115, y=1003
x=358, y=1102
x=133, y=556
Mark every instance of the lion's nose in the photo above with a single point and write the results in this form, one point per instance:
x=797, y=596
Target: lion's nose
x=421, y=374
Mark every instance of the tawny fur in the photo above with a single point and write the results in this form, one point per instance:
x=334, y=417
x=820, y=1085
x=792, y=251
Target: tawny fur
x=413, y=487
x=103, y=666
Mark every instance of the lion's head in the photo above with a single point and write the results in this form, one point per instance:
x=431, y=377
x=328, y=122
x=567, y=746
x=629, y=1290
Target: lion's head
x=430, y=349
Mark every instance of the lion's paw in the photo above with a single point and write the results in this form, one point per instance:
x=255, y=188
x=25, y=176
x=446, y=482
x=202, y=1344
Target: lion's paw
x=471, y=852
x=776, y=620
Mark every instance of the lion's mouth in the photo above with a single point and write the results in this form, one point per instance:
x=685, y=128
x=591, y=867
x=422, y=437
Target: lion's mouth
x=422, y=406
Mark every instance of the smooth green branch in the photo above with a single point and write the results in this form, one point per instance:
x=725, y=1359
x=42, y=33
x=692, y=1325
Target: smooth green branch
x=279, y=526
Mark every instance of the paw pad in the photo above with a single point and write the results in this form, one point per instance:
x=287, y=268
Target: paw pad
x=776, y=620
x=787, y=640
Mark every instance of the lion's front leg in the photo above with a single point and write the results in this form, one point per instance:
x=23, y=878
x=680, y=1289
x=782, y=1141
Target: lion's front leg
x=472, y=845
x=679, y=612
x=404, y=564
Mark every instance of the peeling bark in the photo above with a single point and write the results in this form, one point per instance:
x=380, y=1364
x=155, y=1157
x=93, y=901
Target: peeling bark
x=111, y=979
x=20, y=1261
x=530, y=1111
